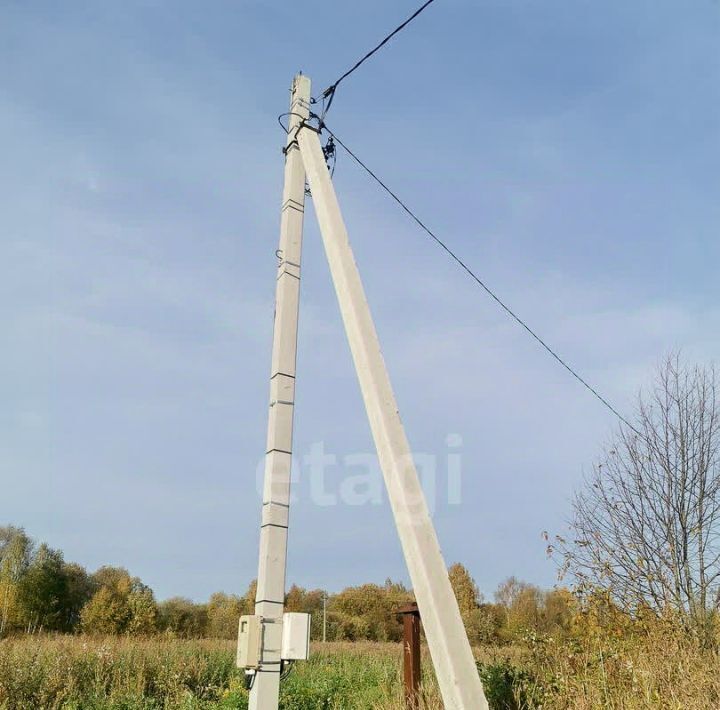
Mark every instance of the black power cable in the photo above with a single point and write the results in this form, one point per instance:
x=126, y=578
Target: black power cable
x=329, y=93
x=482, y=284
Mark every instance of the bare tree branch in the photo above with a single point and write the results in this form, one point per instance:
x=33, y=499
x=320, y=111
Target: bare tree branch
x=646, y=523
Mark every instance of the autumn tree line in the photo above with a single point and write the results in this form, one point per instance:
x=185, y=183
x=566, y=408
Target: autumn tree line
x=643, y=545
x=41, y=592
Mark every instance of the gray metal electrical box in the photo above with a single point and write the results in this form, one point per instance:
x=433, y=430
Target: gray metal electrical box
x=249, y=642
x=295, y=637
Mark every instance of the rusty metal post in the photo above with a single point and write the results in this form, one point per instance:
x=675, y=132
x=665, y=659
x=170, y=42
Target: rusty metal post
x=411, y=655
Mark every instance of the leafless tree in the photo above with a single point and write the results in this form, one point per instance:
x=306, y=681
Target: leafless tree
x=646, y=524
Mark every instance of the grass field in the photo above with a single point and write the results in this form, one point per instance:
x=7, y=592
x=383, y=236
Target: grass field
x=82, y=673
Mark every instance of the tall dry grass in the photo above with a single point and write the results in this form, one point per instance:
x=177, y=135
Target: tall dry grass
x=660, y=669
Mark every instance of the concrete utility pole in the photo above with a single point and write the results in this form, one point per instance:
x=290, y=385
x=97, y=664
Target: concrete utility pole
x=449, y=647
x=324, y=617
x=270, y=597
x=268, y=637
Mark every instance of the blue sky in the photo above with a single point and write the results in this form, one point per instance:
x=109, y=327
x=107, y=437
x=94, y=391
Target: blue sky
x=568, y=151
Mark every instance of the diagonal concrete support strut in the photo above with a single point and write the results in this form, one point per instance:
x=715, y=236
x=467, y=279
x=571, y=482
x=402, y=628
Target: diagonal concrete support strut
x=451, y=654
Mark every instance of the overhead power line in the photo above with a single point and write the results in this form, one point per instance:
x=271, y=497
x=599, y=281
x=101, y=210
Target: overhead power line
x=329, y=93
x=482, y=284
